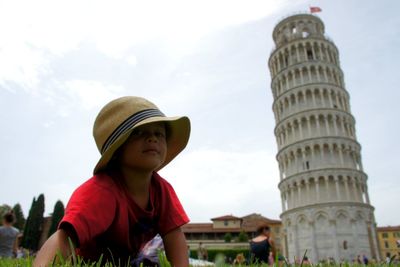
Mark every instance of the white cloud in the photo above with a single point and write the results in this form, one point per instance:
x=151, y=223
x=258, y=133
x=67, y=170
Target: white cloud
x=211, y=182
x=92, y=94
x=132, y=59
x=54, y=192
x=34, y=33
x=22, y=65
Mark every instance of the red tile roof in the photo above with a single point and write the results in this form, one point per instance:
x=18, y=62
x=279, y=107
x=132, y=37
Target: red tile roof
x=197, y=227
x=388, y=228
x=256, y=216
x=249, y=223
x=206, y=228
x=225, y=217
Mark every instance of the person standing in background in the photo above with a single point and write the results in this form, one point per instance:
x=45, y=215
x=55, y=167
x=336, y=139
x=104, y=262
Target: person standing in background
x=262, y=245
x=8, y=236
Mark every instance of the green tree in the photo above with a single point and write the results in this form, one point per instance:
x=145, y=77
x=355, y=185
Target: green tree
x=19, y=217
x=228, y=237
x=26, y=238
x=243, y=237
x=33, y=226
x=56, y=217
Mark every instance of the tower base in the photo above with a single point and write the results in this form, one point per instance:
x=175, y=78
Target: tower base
x=332, y=231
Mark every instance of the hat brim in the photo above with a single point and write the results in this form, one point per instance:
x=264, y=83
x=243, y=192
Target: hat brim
x=178, y=137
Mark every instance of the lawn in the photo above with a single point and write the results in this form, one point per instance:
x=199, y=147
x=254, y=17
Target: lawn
x=27, y=262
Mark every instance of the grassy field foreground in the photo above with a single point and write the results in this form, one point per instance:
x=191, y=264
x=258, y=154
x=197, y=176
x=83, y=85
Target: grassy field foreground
x=27, y=262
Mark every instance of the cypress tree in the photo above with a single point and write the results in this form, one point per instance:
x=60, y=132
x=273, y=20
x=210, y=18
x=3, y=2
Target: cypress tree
x=56, y=217
x=26, y=239
x=19, y=217
x=38, y=221
x=34, y=224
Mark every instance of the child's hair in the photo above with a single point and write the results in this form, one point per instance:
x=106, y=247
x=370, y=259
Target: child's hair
x=9, y=217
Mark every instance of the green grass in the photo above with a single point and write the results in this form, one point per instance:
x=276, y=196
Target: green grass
x=27, y=262
x=76, y=261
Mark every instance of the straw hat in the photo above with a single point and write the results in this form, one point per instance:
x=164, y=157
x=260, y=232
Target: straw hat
x=118, y=118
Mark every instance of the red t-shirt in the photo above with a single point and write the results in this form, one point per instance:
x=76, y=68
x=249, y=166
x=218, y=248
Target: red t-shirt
x=108, y=221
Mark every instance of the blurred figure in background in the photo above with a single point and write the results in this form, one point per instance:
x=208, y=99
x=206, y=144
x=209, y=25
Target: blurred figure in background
x=262, y=245
x=8, y=236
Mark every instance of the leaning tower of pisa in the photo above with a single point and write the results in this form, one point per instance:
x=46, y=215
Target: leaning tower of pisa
x=325, y=204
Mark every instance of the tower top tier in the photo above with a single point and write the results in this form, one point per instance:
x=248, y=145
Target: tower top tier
x=298, y=27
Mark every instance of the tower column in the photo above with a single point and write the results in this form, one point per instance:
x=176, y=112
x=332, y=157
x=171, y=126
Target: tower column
x=335, y=240
x=318, y=74
x=283, y=200
x=301, y=129
x=366, y=193
x=338, y=196
x=328, y=193
x=374, y=241
x=317, y=188
x=291, y=198
x=325, y=79
x=317, y=125
x=360, y=162
x=330, y=99
x=286, y=134
x=346, y=185
x=327, y=125
x=335, y=122
x=307, y=200
x=313, y=242
x=354, y=232
x=297, y=53
x=355, y=190
x=337, y=100
x=301, y=76
x=340, y=156
x=296, y=240
x=313, y=98
x=299, y=200
x=322, y=98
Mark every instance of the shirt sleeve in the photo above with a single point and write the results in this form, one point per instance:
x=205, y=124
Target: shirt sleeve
x=90, y=211
x=172, y=214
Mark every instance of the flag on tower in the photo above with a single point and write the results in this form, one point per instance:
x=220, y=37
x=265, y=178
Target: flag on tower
x=315, y=9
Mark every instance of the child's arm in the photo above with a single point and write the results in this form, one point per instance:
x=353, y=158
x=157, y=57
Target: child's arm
x=57, y=242
x=176, y=248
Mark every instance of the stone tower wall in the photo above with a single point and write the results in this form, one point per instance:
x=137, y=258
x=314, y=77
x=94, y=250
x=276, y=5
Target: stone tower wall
x=325, y=202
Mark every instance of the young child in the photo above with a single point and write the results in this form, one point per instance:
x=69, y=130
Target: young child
x=126, y=203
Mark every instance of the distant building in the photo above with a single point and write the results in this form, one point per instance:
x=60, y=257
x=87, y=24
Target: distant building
x=389, y=241
x=212, y=235
x=45, y=230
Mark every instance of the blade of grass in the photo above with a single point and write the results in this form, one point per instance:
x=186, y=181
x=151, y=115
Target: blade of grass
x=73, y=253
x=302, y=260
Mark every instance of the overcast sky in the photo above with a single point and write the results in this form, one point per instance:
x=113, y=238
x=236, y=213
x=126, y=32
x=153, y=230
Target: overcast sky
x=61, y=61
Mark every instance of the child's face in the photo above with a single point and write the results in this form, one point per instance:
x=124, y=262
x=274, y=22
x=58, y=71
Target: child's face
x=146, y=148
